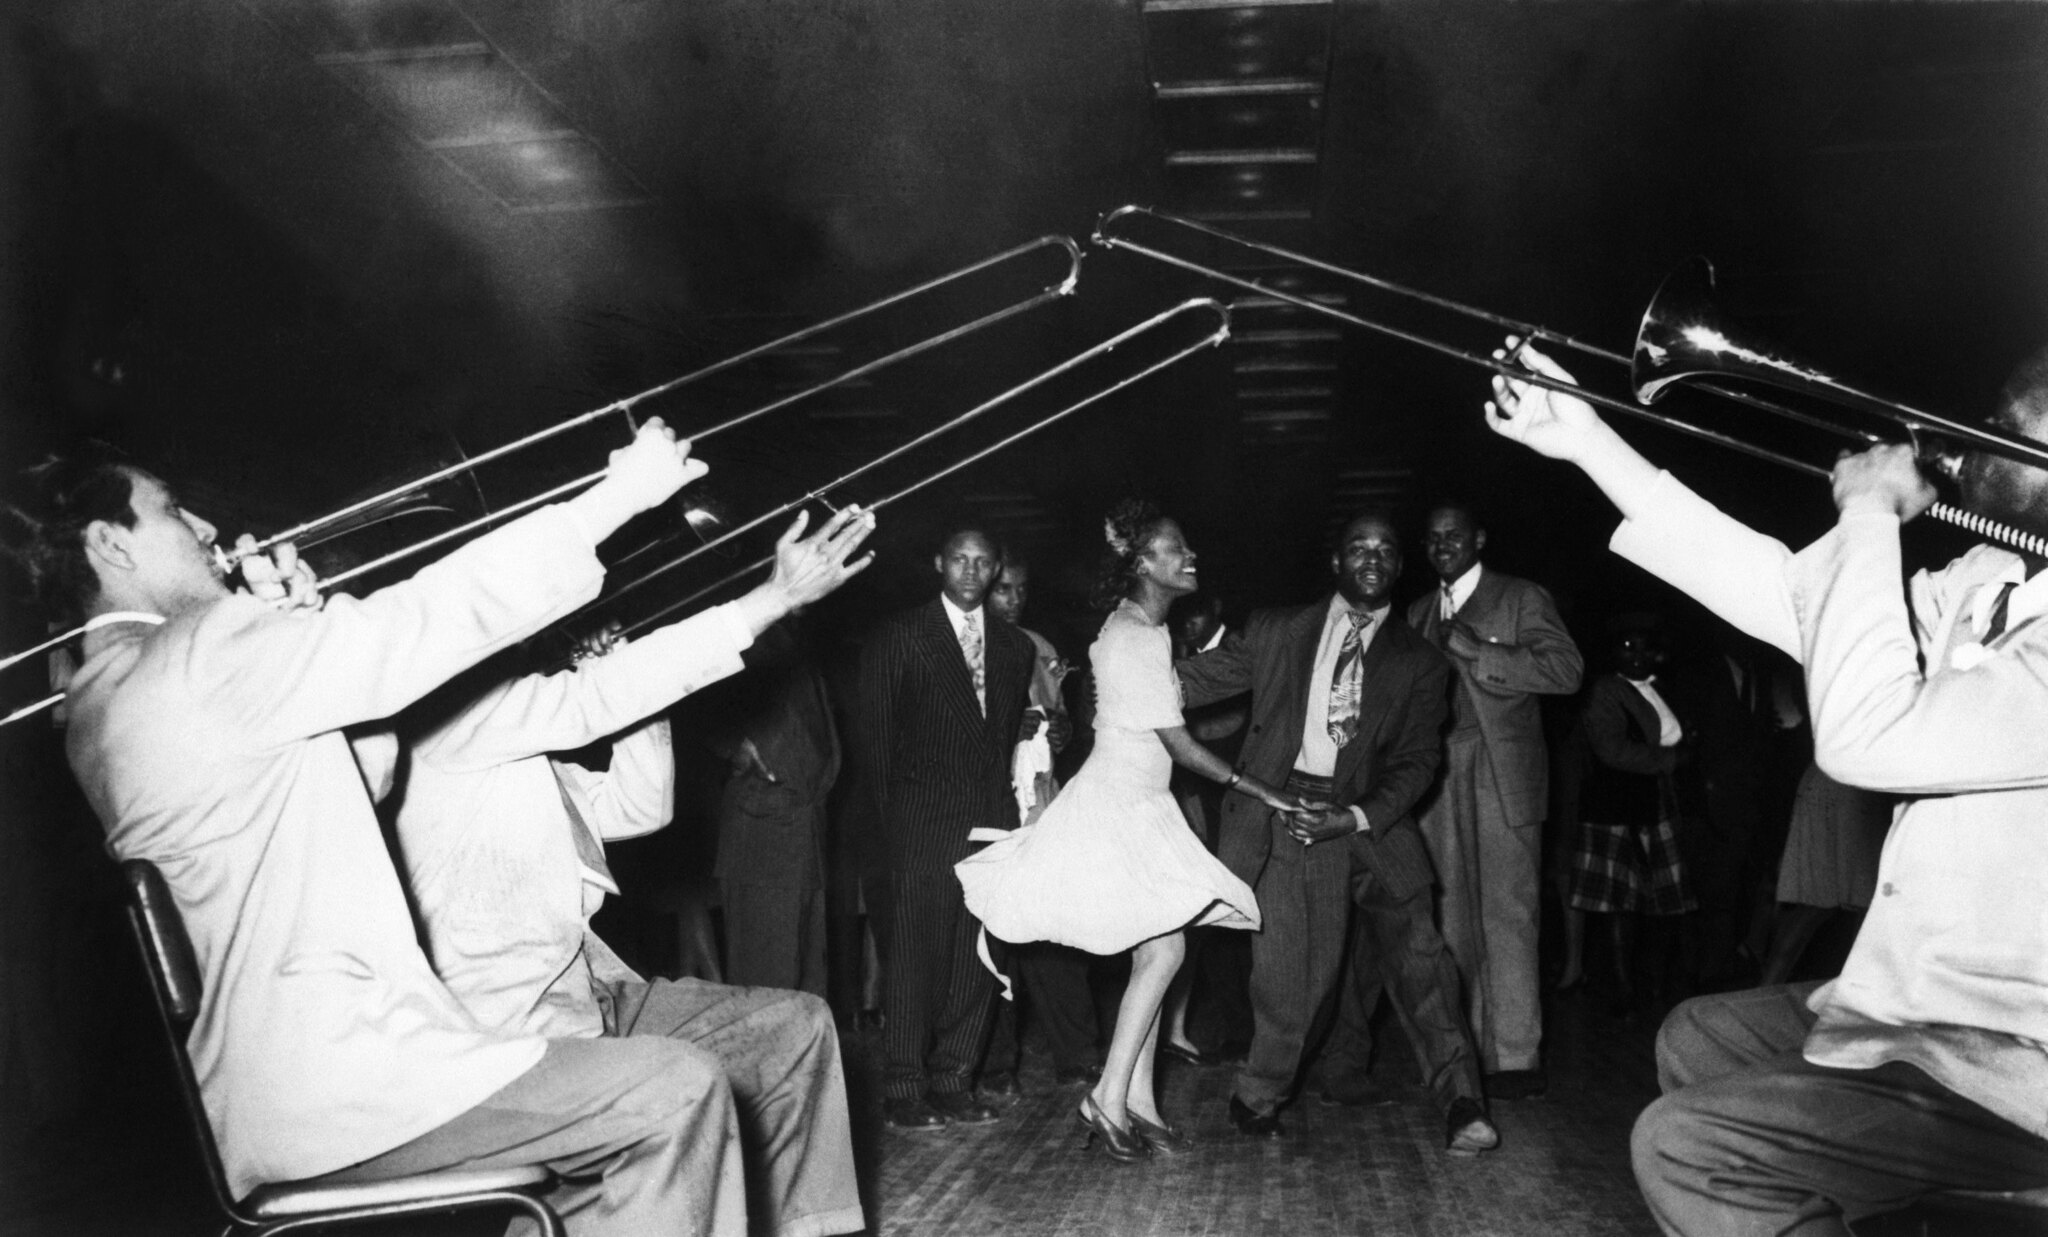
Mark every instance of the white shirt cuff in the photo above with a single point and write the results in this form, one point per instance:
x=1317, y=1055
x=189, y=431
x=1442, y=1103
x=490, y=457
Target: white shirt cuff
x=1358, y=814
x=736, y=628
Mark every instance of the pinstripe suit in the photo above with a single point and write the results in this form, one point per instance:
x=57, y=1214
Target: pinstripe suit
x=936, y=767
x=1306, y=892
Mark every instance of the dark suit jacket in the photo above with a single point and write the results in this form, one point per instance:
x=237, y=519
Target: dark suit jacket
x=932, y=764
x=1383, y=770
x=1624, y=760
x=773, y=833
x=1527, y=653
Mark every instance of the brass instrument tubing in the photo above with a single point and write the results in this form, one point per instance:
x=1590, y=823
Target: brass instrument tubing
x=1035, y=381
x=625, y=406
x=1214, y=338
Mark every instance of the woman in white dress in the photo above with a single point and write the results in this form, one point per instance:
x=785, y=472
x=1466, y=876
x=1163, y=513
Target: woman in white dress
x=1112, y=864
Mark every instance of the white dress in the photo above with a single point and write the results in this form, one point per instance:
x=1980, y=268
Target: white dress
x=1112, y=861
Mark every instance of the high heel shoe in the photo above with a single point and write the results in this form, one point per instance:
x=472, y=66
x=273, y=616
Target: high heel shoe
x=1162, y=1139
x=1118, y=1143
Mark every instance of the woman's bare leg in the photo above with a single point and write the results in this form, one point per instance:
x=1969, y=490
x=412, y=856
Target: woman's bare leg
x=1153, y=964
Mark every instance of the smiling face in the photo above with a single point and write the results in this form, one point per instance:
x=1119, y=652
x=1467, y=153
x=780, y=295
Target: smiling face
x=1011, y=590
x=1367, y=562
x=966, y=567
x=1453, y=542
x=1167, y=561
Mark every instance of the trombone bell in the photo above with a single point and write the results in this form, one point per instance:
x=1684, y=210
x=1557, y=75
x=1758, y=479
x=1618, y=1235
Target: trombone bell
x=1685, y=335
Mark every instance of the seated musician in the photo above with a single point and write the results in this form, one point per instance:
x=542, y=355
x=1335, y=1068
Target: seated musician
x=206, y=732
x=1924, y=1066
x=504, y=852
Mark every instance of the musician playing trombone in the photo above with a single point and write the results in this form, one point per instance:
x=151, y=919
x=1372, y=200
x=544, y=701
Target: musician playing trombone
x=1924, y=1066
x=206, y=733
x=503, y=847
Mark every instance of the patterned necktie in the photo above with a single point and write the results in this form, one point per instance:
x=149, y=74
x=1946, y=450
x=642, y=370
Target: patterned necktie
x=1996, y=626
x=1348, y=681
x=970, y=646
x=1446, y=608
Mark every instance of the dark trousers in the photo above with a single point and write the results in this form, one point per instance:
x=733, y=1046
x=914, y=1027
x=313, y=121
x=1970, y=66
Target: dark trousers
x=774, y=936
x=936, y=996
x=1052, y=986
x=1750, y=1137
x=1397, y=952
x=1305, y=904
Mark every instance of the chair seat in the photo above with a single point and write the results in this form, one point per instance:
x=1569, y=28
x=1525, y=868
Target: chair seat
x=286, y=1199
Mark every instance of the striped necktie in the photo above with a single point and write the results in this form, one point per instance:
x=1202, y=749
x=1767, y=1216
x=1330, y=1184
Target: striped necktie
x=970, y=647
x=1348, y=682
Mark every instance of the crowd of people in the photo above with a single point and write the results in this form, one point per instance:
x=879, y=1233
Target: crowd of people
x=1360, y=793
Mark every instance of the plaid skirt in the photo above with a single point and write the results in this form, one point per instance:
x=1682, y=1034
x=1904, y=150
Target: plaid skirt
x=1619, y=868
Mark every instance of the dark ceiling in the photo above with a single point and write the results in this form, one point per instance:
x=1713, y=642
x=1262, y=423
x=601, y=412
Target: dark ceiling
x=290, y=248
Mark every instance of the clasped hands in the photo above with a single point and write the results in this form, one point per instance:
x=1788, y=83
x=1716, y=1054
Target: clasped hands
x=1312, y=820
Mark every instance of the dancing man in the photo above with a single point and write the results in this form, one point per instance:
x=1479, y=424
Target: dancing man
x=1347, y=708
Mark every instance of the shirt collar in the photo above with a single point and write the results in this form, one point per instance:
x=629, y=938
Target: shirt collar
x=1340, y=607
x=1215, y=639
x=955, y=615
x=1461, y=589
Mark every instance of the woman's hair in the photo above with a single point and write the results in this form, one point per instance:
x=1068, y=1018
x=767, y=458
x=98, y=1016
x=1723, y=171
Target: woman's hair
x=44, y=530
x=1126, y=531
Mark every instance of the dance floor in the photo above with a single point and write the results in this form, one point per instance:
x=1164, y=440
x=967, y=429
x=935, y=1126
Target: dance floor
x=1562, y=1167
x=1561, y=1170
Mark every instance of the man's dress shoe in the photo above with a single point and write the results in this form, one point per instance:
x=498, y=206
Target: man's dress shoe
x=961, y=1108
x=912, y=1115
x=1466, y=1129
x=1001, y=1088
x=1077, y=1075
x=1254, y=1124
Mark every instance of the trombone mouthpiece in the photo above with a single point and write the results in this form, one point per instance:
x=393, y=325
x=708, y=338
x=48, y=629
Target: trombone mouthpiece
x=1940, y=461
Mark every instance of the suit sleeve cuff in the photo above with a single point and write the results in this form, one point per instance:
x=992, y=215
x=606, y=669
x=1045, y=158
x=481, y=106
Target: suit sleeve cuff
x=735, y=626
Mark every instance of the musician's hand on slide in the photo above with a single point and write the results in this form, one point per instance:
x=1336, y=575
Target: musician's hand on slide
x=1885, y=479
x=598, y=643
x=649, y=470
x=810, y=568
x=278, y=578
x=1548, y=422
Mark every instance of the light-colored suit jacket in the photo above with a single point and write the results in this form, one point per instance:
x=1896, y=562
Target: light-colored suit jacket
x=1950, y=969
x=1527, y=653
x=489, y=847
x=212, y=747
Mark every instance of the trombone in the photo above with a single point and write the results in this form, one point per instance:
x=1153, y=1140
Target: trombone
x=1217, y=335
x=406, y=497
x=1681, y=340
